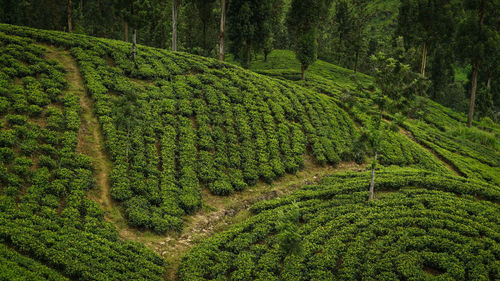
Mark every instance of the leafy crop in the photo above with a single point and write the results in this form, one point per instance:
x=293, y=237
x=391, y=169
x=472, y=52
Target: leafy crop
x=423, y=226
x=49, y=229
x=176, y=123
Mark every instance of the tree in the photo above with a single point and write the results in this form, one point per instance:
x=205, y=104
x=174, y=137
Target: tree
x=134, y=14
x=341, y=26
x=248, y=24
x=70, y=24
x=398, y=88
x=175, y=13
x=349, y=24
x=426, y=23
x=477, y=35
x=302, y=21
x=205, y=12
x=198, y=30
x=399, y=85
x=222, y=33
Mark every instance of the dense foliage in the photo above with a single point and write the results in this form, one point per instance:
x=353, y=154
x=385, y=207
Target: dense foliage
x=455, y=42
x=45, y=214
x=176, y=123
x=474, y=153
x=423, y=226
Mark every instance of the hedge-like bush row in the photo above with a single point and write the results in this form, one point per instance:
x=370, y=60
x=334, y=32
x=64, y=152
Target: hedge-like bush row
x=49, y=229
x=177, y=123
x=422, y=227
x=14, y=266
x=471, y=159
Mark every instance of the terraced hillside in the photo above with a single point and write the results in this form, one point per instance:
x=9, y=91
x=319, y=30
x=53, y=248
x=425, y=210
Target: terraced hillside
x=97, y=149
x=423, y=227
x=175, y=123
x=469, y=152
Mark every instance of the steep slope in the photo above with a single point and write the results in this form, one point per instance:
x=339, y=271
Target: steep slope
x=423, y=227
x=437, y=128
x=49, y=229
x=85, y=131
x=176, y=123
x=173, y=125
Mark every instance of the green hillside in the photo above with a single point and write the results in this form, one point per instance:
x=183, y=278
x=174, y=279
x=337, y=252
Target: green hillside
x=109, y=165
x=471, y=152
x=423, y=227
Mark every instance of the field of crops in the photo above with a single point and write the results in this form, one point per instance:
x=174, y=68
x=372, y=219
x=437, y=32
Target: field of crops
x=438, y=128
x=423, y=227
x=44, y=209
x=176, y=124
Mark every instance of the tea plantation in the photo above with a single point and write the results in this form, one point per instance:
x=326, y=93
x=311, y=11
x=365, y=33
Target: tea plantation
x=176, y=125
x=423, y=227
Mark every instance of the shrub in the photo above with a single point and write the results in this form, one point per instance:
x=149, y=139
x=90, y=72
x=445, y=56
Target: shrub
x=6, y=155
x=15, y=119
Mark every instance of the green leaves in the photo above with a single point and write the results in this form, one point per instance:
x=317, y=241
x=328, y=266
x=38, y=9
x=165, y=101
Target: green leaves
x=424, y=222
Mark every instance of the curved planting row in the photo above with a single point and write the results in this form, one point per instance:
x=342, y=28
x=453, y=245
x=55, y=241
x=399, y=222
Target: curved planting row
x=423, y=226
x=49, y=229
x=176, y=123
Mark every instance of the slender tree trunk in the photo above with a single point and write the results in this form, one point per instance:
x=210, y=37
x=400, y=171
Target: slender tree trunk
x=490, y=74
x=356, y=61
x=424, y=60
x=205, y=39
x=222, y=34
x=175, y=11
x=70, y=25
x=125, y=31
x=303, y=69
x=134, y=44
x=475, y=70
x=249, y=54
x=372, y=182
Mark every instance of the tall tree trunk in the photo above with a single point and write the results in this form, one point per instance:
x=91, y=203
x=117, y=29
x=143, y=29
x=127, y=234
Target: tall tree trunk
x=222, y=34
x=303, y=68
x=424, y=60
x=490, y=74
x=70, y=25
x=249, y=54
x=372, y=182
x=125, y=31
x=475, y=70
x=356, y=61
x=204, y=38
x=134, y=44
x=175, y=11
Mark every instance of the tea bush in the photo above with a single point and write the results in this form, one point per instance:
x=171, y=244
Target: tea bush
x=49, y=229
x=423, y=226
x=177, y=123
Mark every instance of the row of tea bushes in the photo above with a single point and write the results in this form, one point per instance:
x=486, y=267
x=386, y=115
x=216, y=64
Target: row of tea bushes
x=49, y=229
x=422, y=226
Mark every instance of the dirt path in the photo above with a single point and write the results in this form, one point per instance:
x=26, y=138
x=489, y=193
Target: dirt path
x=220, y=212
x=447, y=163
x=90, y=139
